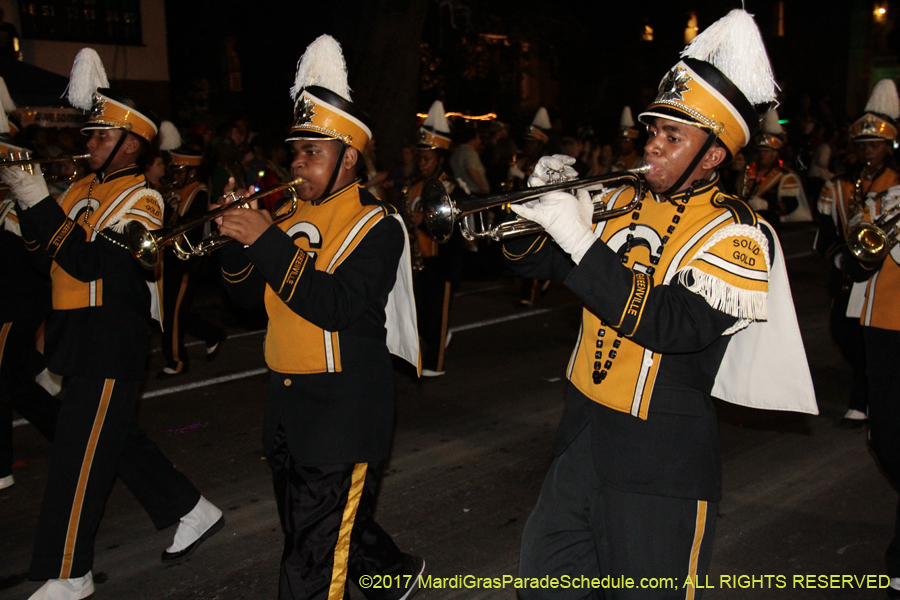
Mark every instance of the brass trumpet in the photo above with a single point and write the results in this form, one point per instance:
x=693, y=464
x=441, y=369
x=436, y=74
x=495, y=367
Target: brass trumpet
x=442, y=212
x=145, y=245
x=872, y=242
x=24, y=162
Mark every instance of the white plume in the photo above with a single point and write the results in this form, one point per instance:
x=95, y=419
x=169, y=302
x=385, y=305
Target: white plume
x=87, y=75
x=541, y=119
x=770, y=123
x=323, y=65
x=169, y=137
x=436, y=118
x=884, y=99
x=6, y=100
x=626, y=120
x=734, y=45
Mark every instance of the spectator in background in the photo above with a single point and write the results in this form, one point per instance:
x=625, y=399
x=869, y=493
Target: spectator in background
x=466, y=163
x=572, y=147
x=372, y=178
x=404, y=172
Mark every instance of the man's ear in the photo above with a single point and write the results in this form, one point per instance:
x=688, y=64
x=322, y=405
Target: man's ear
x=351, y=155
x=714, y=157
x=131, y=145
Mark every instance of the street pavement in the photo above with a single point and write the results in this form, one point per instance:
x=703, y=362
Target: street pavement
x=801, y=496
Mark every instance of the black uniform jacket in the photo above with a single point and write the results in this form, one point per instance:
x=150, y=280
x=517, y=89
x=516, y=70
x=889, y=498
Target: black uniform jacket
x=340, y=417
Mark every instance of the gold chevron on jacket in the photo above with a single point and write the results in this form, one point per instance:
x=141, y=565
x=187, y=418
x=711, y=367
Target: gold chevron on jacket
x=121, y=197
x=713, y=247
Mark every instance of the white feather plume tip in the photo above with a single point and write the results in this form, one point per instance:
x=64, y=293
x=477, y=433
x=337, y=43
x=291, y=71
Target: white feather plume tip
x=734, y=45
x=884, y=99
x=87, y=75
x=770, y=123
x=436, y=118
x=6, y=100
x=541, y=119
x=626, y=121
x=323, y=65
x=169, y=137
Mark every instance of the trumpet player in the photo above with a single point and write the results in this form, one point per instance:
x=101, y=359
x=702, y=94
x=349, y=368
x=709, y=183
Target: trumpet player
x=335, y=278
x=188, y=198
x=873, y=299
x=97, y=337
x=679, y=296
x=437, y=265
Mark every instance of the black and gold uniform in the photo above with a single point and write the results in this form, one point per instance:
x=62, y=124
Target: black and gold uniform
x=874, y=296
x=180, y=276
x=97, y=336
x=671, y=291
x=335, y=279
x=24, y=304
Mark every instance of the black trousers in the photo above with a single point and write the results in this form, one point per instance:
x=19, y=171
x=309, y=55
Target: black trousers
x=433, y=297
x=882, y=354
x=179, y=288
x=97, y=438
x=19, y=363
x=847, y=333
x=583, y=528
x=330, y=534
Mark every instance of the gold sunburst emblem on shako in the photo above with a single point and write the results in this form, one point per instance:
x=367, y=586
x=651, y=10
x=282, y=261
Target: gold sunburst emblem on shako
x=674, y=85
x=98, y=105
x=304, y=113
x=869, y=126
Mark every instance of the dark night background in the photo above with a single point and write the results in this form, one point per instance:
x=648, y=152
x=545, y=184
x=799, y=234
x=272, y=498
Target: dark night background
x=583, y=61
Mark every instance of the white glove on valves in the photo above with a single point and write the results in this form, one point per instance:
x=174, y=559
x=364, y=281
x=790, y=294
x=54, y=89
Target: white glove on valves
x=551, y=169
x=29, y=189
x=565, y=218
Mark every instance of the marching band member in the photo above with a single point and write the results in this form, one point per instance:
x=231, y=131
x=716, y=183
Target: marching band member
x=874, y=298
x=536, y=138
x=679, y=296
x=627, y=154
x=188, y=199
x=24, y=304
x=774, y=191
x=336, y=281
x=436, y=271
x=841, y=201
x=97, y=336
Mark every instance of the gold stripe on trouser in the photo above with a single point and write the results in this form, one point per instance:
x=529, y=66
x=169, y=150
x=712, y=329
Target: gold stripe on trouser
x=78, y=501
x=176, y=319
x=699, y=530
x=342, y=548
x=444, y=317
x=4, y=333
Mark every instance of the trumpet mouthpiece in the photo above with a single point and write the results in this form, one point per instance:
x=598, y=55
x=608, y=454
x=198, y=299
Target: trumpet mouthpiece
x=644, y=168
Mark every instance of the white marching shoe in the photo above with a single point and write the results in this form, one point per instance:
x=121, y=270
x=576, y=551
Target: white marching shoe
x=77, y=588
x=204, y=521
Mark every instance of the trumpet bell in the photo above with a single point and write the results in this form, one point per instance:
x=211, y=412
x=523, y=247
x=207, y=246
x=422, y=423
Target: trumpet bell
x=142, y=244
x=439, y=210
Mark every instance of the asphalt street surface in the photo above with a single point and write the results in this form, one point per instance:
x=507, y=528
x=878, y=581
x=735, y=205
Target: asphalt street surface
x=801, y=496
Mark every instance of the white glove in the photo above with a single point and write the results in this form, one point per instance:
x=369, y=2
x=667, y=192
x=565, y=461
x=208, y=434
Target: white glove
x=551, y=169
x=757, y=203
x=565, y=218
x=29, y=189
x=515, y=173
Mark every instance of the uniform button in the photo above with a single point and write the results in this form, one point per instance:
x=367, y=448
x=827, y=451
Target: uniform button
x=681, y=208
x=632, y=226
x=612, y=354
x=617, y=343
x=608, y=365
x=654, y=260
x=635, y=216
x=671, y=229
x=287, y=382
x=596, y=377
x=601, y=333
x=602, y=375
x=598, y=355
x=676, y=218
x=598, y=365
x=599, y=343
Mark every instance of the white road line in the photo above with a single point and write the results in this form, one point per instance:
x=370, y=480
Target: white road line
x=205, y=382
x=512, y=317
x=231, y=336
